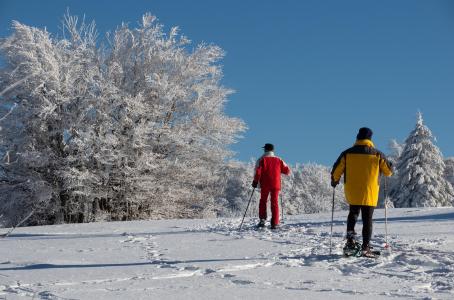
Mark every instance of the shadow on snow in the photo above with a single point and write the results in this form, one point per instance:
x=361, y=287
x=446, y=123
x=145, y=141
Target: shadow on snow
x=157, y=262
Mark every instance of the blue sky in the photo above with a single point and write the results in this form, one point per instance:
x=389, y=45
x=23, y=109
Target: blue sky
x=307, y=74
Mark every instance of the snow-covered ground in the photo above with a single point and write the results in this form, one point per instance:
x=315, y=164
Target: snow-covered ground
x=210, y=259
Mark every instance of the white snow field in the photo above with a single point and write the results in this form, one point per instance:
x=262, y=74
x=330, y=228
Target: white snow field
x=210, y=259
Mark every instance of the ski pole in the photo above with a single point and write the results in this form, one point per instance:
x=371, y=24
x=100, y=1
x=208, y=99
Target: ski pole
x=247, y=207
x=386, y=215
x=19, y=224
x=281, y=206
x=332, y=220
x=282, y=210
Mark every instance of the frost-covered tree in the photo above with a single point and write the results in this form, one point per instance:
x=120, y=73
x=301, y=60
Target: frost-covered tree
x=449, y=170
x=236, y=182
x=396, y=150
x=308, y=190
x=420, y=169
x=387, y=183
x=130, y=130
x=29, y=136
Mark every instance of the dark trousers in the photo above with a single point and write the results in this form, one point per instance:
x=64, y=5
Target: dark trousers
x=366, y=216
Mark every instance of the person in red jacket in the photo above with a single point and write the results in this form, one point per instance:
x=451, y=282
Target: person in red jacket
x=268, y=171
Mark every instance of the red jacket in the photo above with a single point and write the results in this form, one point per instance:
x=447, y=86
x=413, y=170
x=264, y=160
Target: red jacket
x=268, y=171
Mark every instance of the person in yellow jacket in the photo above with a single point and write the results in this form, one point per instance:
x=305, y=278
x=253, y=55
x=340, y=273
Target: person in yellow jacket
x=361, y=166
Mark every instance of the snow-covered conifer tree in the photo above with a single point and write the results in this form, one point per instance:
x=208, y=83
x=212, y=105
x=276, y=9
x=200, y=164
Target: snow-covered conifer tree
x=420, y=169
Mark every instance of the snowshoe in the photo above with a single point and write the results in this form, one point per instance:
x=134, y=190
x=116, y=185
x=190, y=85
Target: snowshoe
x=352, y=248
x=369, y=253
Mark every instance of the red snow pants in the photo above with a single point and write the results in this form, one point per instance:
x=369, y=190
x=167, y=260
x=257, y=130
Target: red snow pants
x=264, y=192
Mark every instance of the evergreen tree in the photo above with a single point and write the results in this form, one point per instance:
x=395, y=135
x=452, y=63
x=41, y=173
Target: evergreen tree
x=420, y=172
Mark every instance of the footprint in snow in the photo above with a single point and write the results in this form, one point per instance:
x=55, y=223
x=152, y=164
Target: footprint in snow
x=189, y=268
x=242, y=282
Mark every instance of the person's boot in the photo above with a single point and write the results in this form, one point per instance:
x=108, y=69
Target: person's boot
x=351, y=240
x=275, y=226
x=352, y=247
x=261, y=223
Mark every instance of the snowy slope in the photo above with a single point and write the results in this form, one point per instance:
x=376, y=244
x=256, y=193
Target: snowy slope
x=210, y=259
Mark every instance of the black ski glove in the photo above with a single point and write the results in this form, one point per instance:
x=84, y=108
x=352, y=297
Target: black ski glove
x=254, y=184
x=334, y=183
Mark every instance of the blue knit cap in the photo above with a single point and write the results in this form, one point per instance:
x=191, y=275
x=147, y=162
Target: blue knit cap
x=364, y=133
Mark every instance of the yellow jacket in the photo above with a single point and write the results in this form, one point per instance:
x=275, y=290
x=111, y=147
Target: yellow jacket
x=361, y=166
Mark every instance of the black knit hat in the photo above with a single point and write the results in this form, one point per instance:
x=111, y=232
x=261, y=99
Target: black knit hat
x=268, y=147
x=364, y=133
